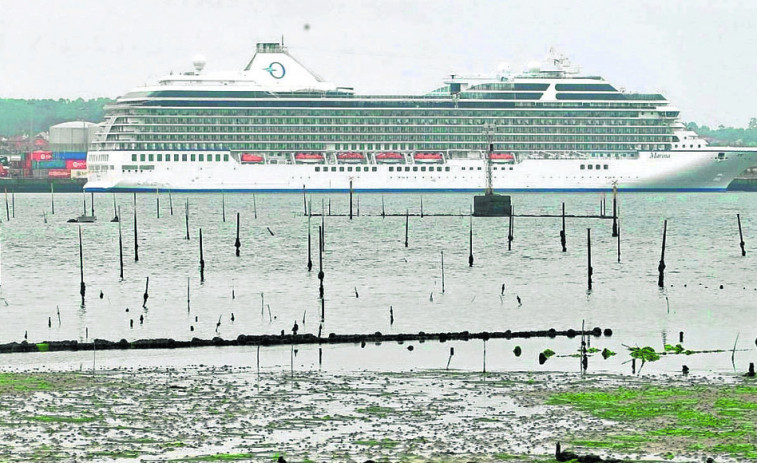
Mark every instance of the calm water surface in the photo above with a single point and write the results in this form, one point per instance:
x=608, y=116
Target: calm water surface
x=40, y=273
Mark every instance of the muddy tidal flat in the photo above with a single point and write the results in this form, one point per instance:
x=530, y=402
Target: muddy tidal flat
x=203, y=413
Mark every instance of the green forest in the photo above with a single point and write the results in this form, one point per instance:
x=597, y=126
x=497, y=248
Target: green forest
x=18, y=116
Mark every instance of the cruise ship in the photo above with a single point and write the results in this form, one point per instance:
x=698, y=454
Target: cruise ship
x=276, y=126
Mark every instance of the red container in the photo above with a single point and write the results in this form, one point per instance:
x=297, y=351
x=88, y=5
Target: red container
x=42, y=155
x=59, y=173
x=75, y=164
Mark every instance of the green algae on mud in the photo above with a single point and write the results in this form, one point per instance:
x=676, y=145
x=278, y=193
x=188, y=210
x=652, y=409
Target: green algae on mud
x=710, y=419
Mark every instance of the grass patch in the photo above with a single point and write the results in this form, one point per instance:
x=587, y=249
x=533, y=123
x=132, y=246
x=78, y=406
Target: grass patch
x=383, y=443
x=720, y=420
x=115, y=454
x=63, y=419
x=220, y=457
x=376, y=410
x=22, y=382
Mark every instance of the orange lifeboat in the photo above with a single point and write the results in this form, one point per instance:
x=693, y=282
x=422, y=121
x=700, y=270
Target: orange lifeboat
x=309, y=158
x=389, y=158
x=352, y=158
x=428, y=157
x=503, y=158
x=248, y=158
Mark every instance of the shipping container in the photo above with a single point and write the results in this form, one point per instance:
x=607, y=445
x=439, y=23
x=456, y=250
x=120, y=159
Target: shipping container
x=66, y=155
x=59, y=173
x=49, y=164
x=41, y=155
x=74, y=164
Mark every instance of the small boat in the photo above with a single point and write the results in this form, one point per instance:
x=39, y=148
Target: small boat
x=389, y=158
x=428, y=157
x=309, y=158
x=351, y=158
x=503, y=158
x=248, y=158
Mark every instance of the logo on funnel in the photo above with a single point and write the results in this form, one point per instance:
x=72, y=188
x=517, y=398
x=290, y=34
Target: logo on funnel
x=276, y=70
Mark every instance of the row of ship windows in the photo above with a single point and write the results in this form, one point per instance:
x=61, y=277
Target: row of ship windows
x=184, y=157
x=594, y=166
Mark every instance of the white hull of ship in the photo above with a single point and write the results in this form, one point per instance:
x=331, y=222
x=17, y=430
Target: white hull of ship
x=711, y=169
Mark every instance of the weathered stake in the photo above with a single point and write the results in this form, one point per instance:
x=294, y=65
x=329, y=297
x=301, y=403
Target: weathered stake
x=442, y=272
x=92, y=201
x=510, y=231
x=304, y=200
x=407, y=224
x=116, y=213
x=223, y=207
x=186, y=217
x=589, y=270
x=320, y=263
x=741, y=236
x=383, y=212
x=52, y=198
x=618, y=240
x=421, y=207
x=120, y=248
x=470, y=255
x=7, y=209
x=145, y=296
x=13, y=204
x=170, y=203
x=614, y=211
x=310, y=260
x=82, y=286
x=254, y=206
x=562, y=232
x=136, y=244
x=202, y=261
x=237, y=243
x=188, y=306
x=157, y=203
x=350, y=199
x=661, y=267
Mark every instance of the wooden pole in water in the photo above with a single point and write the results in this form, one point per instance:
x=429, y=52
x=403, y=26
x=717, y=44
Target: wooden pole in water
x=136, y=243
x=83, y=203
x=254, y=206
x=92, y=202
x=357, y=212
x=52, y=197
x=510, y=231
x=188, y=306
x=310, y=260
x=120, y=249
x=442, y=272
x=157, y=203
x=329, y=206
x=421, y=206
x=661, y=267
x=407, y=224
x=186, y=217
x=7, y=209
x=562, y=232
x=304, y=200
x=145, y=296
x=614, y=211
x=170, y=203
x=223, y=207
x=589, y=270
x=350, y=199
x=383, y=211
x=116, y=213
x=202, y=261
x=741, y=236
x=470, y=255
x=618, y=240
x=82, y=286
x=237, y=243
x=320, y=263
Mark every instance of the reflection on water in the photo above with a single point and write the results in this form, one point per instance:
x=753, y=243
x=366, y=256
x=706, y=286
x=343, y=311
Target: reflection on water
x=40, y=271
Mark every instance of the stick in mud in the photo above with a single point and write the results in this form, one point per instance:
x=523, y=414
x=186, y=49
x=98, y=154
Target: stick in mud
x=170, y=203
x=357, y=206
x=7, y=209
x=451, y=353
x=350, y=199
x=618, y=240
x=304, y=200
x=223, y=207
x=407, y=224
x=262, y=304
x=391, y=315
x=562, y=232
x=484, y=370
x=145, y=296
x=383, y=211
x=157, y=203
x=329, y=206
x=320, y=264
x=202, y=261
x=310, y=260
x=614, y=211
x=116, y=213
x=92, y=202
x=82, y=287
x=186, y=217
x=120, y=248
x=661, y=266
x=136, y=244
x=510, y=230
x=421, y=206
x=442, y=272
x=188, y=302
x=741, y=236
x=470, y=255
x=320, y=357
x=237, y=243
x=52, y=198
x=254, y=206
x=589, y=270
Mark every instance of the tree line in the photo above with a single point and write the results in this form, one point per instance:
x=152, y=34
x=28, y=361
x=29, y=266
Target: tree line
x=24, y=117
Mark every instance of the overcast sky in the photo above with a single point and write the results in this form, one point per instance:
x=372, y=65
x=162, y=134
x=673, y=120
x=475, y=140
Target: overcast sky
x=699, y=54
